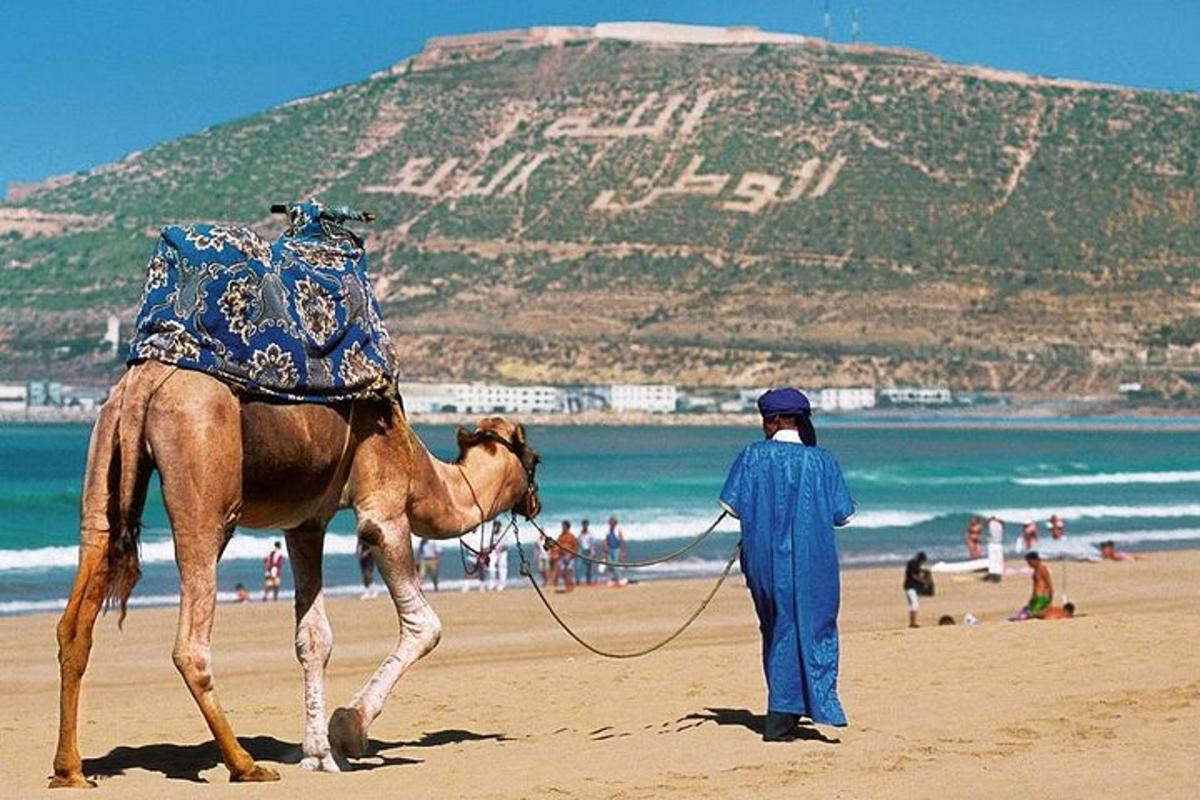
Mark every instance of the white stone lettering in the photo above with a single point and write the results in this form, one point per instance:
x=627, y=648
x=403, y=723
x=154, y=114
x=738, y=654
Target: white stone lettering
x=443, y=183
x=584, y=126
x=754, y=191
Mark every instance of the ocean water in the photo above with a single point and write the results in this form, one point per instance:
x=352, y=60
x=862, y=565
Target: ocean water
x=915, y=487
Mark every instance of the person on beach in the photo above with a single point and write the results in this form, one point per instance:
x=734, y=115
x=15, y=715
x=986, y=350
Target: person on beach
x=917, y=582
x=995, y=550
x=241, y=593
x=1029, y=536
x=1065, y=611
x=614, y=550
x=562, y=559
x=789, y=495
x=1043, y=585
x=587, y=547
x=974, y=537
x=429, y=558
x=497, y=565
x=1058, y=528
x=273, y=572
x=1109, y=552
x=366, y=567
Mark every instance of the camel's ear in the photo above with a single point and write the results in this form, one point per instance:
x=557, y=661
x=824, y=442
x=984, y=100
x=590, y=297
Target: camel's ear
x=519, y=437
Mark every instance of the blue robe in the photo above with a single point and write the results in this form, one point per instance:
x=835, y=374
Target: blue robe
x=789, y=498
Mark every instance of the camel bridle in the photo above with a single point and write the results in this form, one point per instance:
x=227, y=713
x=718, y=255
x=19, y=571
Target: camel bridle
x=486, y=435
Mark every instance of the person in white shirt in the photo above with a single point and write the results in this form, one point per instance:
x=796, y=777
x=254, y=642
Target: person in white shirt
x=497, y=565
x=995, y=549
x=587, y=547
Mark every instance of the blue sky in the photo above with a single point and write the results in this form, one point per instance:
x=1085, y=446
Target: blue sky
x=83, y=83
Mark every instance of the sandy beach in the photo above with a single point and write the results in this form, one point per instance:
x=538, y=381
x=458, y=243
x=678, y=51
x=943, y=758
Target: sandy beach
x=1105, y=705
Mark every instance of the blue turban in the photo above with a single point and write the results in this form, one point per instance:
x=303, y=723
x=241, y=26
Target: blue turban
x=783, y=403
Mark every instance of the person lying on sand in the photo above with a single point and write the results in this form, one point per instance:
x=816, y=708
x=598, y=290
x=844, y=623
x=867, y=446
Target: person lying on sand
x=1065, y=611
x=1109, y=552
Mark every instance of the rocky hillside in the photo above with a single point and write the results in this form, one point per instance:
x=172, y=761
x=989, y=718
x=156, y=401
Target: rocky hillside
x=652, y=203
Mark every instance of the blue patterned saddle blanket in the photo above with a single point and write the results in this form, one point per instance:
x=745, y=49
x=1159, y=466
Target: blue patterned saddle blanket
x=294, y=319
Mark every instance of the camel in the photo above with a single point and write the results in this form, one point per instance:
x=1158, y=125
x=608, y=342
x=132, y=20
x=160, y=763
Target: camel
x=226, y=459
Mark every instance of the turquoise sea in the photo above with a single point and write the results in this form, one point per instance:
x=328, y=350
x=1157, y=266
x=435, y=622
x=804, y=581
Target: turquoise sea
x=915, y=487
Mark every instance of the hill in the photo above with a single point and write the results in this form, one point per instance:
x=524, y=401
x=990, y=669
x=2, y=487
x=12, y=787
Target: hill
x=693, y=205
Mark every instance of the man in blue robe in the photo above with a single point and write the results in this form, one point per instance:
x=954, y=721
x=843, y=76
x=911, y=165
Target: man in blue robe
x=789, y=495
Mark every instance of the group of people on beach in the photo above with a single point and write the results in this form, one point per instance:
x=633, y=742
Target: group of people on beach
x=918, y=581
x=560, y=562
x=570, y=559
x=1030, y=533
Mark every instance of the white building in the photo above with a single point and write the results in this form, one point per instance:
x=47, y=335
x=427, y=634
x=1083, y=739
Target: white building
x=13, y=397
x=912, y=396
x=488, y=398
x=844, y=399
x=430, y=398
x=112, y=333
x=655, y=397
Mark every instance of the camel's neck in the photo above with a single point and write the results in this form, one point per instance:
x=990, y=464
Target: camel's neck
x=450, y=499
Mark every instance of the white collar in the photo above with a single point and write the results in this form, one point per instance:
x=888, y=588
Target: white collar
x=787, y=435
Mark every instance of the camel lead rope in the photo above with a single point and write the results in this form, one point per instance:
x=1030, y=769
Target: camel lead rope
x=527, y=571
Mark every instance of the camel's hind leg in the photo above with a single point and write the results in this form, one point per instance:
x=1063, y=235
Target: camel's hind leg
x=195, y=432
x=88, y=593
x=74, y=648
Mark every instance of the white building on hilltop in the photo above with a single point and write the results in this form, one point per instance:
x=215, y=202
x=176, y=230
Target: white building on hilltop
x=658, y=398
x=843, y=399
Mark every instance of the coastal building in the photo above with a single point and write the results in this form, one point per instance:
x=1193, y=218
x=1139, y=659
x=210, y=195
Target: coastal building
x=844, y=399
x=658, y=398
x=44, y=393
x=577, y=399
x=13, y=396
x=489, y=398
x=430, y=398
x=914, y=396
x=112, y=334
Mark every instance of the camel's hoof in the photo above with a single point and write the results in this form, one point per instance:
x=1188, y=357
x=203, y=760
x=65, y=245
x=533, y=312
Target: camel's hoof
x=347, y=734
x=73, y=781
x=257, y=774
x=325, y=763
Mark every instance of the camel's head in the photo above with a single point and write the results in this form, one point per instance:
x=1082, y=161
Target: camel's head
x=499, y=435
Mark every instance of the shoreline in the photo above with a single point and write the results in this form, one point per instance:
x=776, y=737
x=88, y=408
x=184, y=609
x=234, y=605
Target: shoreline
x=517, y=583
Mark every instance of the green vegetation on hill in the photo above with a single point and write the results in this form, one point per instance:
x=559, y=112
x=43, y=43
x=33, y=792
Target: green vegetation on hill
x=702, y=215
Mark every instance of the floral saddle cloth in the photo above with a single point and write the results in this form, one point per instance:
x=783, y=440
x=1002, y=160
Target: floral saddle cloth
x=294, y=319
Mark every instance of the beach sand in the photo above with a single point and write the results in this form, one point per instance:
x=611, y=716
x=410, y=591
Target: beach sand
x=1106, y=705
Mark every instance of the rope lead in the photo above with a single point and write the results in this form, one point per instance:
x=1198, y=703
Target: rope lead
x=527, y=571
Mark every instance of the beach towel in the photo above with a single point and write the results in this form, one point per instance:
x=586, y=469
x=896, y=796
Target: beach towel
x=789, y=498
x=294, y=319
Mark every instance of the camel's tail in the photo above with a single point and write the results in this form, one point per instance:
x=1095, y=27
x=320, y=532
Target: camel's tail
x=119, y=450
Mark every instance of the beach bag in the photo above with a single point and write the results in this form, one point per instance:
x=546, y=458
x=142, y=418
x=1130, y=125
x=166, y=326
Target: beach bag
x=925, y=588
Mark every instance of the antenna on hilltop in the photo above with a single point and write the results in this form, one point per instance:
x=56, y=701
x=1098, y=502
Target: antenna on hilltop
x=828, y=23
x=854, y=27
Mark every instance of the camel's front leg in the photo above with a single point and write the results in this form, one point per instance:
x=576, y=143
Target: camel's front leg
x=420, y=630
x=314, y=642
